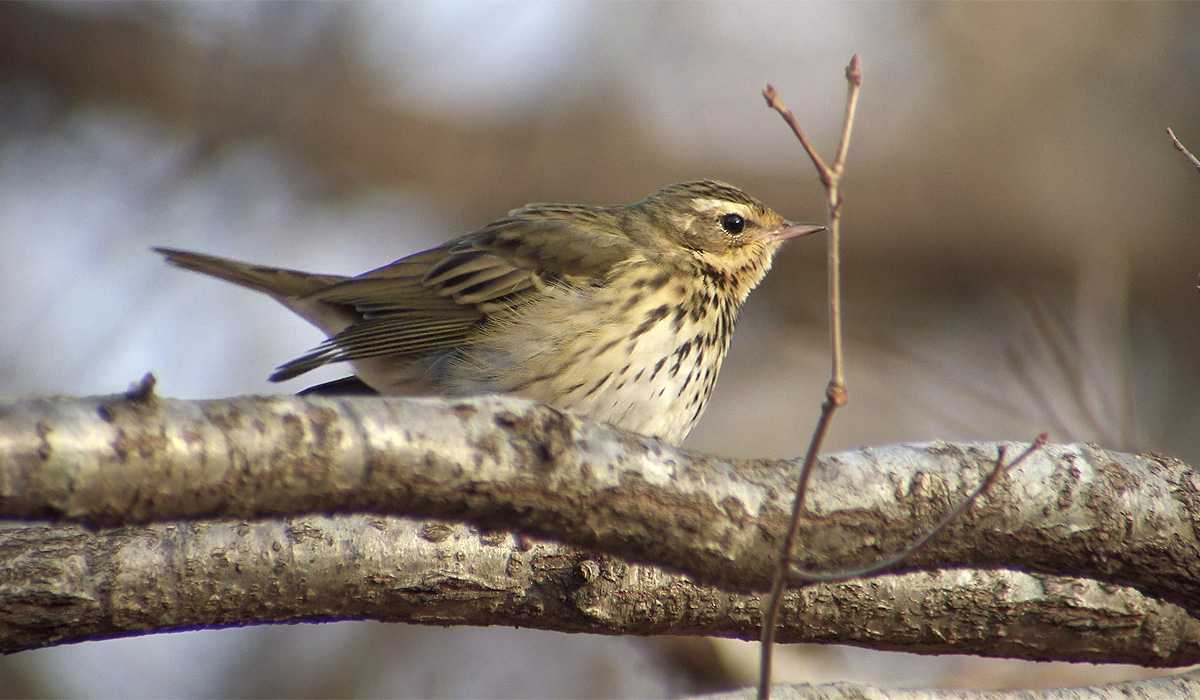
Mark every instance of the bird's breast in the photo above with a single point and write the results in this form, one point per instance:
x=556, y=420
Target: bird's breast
x=641, y=353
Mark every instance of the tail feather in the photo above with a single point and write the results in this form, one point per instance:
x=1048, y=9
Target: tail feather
x=291, y=369
x=278, y=282
x=378, y=370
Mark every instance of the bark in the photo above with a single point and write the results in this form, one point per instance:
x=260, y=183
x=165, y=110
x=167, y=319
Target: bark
x=503, y=463
x=1182, y=686
x=63, y=583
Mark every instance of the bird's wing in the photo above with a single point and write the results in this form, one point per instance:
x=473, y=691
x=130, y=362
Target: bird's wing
x=434, y=300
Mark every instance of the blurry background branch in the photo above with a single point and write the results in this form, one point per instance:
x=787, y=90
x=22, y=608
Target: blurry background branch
x=228, y=91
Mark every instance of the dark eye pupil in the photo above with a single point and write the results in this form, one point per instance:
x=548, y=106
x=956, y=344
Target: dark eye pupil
x=733, y=223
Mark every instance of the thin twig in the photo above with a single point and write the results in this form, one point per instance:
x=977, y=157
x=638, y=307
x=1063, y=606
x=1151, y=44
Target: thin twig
x=779, y=583
x=798, y=575
x=837, y=389
x=835, y=392
x=854, y=78
x=773, y=101
x=1187, y=154
x=1183, y=149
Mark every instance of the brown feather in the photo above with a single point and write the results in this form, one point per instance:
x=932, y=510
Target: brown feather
x=435, y=300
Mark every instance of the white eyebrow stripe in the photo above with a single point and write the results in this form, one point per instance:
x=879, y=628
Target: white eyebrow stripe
x=702, y=204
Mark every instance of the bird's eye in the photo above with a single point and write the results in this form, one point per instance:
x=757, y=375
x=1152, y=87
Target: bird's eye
x=733, y=223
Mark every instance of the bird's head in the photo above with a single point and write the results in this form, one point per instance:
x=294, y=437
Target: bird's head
x=720, y=227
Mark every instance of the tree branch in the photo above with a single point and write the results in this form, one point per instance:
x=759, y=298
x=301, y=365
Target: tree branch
x=1186, y=685
x=63, y=583
x=506, y=463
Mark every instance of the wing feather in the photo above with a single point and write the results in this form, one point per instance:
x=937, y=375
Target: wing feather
x=435, y=301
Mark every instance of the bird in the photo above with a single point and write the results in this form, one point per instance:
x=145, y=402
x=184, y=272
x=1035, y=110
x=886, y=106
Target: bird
x=622, y=314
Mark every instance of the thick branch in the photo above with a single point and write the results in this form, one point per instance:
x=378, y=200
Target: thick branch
x=62, y=583
x=505, y=463
x=1186, y=685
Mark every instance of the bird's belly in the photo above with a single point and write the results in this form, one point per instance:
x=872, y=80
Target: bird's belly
x=656, y=382
x=653, y=384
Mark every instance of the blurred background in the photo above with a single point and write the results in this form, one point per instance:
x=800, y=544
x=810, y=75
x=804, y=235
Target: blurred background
x=1021, y=247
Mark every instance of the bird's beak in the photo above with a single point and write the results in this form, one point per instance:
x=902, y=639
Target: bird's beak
x=791, y=230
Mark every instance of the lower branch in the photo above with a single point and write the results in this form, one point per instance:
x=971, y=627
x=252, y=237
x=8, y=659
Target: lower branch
x=62, y=583
x=1186, y=685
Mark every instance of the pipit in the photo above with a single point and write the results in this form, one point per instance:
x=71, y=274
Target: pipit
x=621, y=313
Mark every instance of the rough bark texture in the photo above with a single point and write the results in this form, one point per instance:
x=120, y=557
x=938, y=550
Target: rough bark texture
x=503, y=463
x=1182, y=686
x=63, y=583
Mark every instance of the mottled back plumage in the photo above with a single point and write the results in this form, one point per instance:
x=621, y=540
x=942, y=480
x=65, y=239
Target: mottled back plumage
x=620, y=313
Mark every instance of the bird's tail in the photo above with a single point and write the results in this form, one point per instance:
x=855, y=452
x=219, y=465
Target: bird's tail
x=279, y=282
